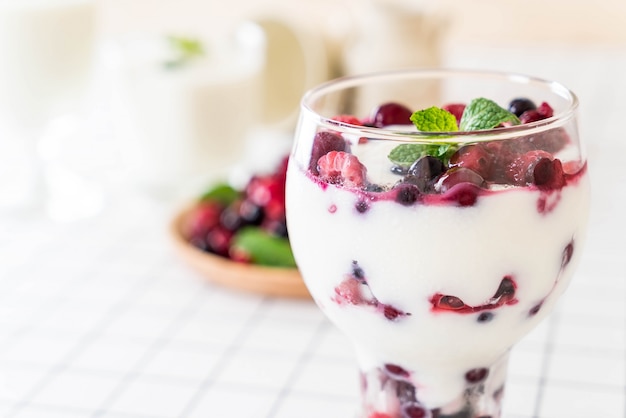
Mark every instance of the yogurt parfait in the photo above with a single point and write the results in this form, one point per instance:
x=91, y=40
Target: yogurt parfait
x=436, y=217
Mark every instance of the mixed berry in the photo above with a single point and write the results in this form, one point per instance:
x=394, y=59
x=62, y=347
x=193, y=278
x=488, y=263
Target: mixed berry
x=247, y=226
x=449, y=173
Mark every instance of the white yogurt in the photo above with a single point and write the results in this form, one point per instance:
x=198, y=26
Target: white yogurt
x=410, y=253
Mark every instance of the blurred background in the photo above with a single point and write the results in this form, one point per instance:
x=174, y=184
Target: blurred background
x=136, y=107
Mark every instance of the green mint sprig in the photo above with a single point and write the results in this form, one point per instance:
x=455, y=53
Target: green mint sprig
x=483, y=113
x=433, y=119
x=184, y=51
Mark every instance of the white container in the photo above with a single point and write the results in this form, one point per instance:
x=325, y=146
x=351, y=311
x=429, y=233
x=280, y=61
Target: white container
x=46, y=57
x=183, y=125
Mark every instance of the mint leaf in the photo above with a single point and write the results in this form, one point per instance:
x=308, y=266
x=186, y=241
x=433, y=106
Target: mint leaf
x=264, y=248
x=222, y=193
x=483, y=113
x=434, y=119
x=184, y=50
x=406, y=154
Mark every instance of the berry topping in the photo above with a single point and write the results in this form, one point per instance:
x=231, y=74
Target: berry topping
x=414, y=410
x=456, y=109
x=458, y=175
x=548, y=175
x=568, y=252
x=361, y=206
x=535, y=309
x=338, y=167
x=485, y=317
x=476, y=375
x=396, y=371
x=520, y=105
x=349, y=292
x=476, y=157
x=544, y=111
x=379, y=415
x=357, y=271
x=422, y=172
x=520, y=170
x=504, y=295
x=323, y=143
x=391, y=114
x=354, y=290
x=349, y=119
x=406, y=193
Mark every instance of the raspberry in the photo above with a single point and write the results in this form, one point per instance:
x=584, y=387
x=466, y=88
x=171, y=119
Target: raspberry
x=544, y=111
x=323, y=143
x=349, y=119
x=338, y=167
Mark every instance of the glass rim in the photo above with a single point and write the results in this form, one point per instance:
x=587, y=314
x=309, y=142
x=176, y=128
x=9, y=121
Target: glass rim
x=344, y=82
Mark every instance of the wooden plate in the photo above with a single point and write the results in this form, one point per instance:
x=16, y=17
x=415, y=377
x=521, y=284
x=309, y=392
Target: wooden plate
x=274, y=281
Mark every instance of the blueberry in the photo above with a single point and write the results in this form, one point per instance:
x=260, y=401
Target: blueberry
x=485, y=317
x=357, y=271
x=414, y=410
x=520, y=105
x=422, y=172
x=361, y=206
x=476, y=375
x=407, y=194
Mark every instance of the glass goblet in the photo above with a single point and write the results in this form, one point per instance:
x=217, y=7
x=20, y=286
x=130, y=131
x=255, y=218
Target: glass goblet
x=436, y=217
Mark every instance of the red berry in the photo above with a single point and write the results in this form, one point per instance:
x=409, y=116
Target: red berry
x=391, y=114
x=261, y=190
x=544, y=111
x=202, y=218
x=458, y=175
x=520, y=170
x=349, y=292
x=218, y=240
x=476, y=375
x=520, y=105
x=476, y=157
x=349, y=119
x=456, y=109
x=323, y=143
x=379, y=415
x=548, y=175
x=338, y=167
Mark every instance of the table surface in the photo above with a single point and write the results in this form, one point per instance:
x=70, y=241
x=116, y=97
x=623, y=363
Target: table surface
x=99, y=318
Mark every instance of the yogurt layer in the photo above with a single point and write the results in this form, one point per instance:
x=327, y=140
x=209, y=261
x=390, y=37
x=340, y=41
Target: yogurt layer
x=432, y=293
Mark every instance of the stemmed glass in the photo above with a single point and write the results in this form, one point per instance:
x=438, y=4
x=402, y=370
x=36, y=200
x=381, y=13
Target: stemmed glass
x=436, y=249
